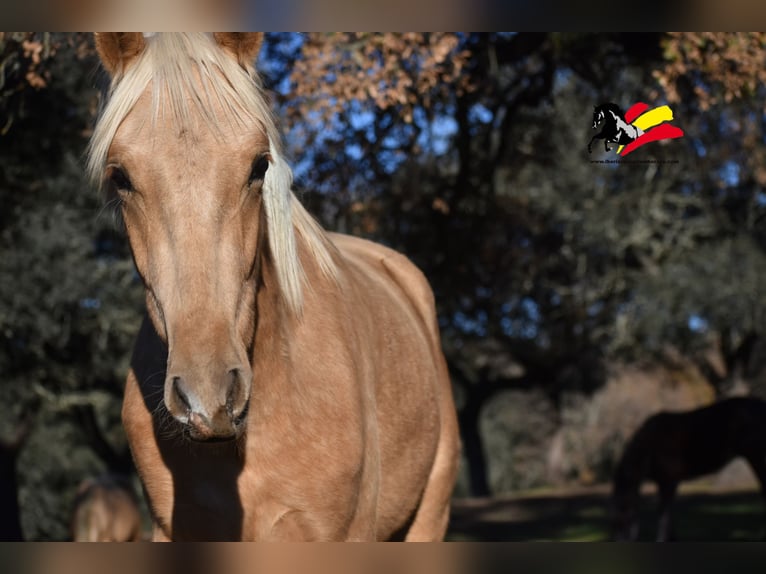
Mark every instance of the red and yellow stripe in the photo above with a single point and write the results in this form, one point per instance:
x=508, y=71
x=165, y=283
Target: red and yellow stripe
x=646, y=121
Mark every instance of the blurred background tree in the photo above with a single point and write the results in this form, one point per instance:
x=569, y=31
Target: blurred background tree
x=574, y=297
x=69, y=300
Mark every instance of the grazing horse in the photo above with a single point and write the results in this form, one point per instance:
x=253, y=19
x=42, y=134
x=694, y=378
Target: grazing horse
x=106, y=510
x=288, y=383
x=615, y=129
x=671, y=447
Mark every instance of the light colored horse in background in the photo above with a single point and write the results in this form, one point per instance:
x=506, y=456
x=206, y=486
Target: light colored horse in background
x=288, y=383
x=106, y=510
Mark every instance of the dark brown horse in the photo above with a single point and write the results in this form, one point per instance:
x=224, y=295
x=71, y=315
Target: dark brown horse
x=671, y=447
x=288, y=383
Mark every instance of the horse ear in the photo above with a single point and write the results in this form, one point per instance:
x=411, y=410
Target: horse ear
x=118, y=49
x=244, y=46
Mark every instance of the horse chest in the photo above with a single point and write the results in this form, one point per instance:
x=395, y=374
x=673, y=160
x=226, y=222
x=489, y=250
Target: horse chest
x=208, y=496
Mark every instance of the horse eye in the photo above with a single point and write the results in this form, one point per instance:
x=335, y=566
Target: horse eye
x=258, y=172
x=120, y=180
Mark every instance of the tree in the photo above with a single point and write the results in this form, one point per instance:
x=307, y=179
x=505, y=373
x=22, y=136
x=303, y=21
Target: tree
x=565, y=265
x=69, y=298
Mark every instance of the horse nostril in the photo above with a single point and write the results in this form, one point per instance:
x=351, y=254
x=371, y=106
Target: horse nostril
x=240, y=418
x=180, y=393
x=237, y=392
x=232, y=389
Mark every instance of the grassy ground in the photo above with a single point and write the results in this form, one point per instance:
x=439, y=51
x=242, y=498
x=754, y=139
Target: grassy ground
x=700, y=515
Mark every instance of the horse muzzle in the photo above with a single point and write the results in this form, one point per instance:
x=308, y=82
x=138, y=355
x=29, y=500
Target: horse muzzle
x=210, y=411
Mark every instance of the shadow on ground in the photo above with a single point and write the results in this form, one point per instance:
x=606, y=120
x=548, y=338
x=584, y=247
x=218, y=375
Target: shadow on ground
x=583, y=516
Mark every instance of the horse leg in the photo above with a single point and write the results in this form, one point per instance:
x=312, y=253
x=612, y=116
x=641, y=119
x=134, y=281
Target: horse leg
x=667, y=493
x=432, y=515
x=158, y=534
x=758, y=463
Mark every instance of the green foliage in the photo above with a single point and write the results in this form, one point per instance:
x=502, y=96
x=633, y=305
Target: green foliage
x=721, y=284
x=518, y=426
x=68, y=294
x=70, y=301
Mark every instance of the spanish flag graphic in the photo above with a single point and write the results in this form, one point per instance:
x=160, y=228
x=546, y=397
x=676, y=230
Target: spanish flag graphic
x=654, y=124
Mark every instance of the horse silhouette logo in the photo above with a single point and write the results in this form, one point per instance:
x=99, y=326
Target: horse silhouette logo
x=634, y=128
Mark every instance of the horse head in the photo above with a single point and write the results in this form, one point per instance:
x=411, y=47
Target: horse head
x=624, y=523
x=598, y=116
x=187, y=146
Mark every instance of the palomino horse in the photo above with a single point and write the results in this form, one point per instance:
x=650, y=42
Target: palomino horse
x=671, y=447
x=615, y=128
x=289, y=383
x=106, y=510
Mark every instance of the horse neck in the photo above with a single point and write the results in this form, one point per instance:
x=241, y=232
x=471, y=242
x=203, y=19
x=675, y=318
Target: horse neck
x=275, y=321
